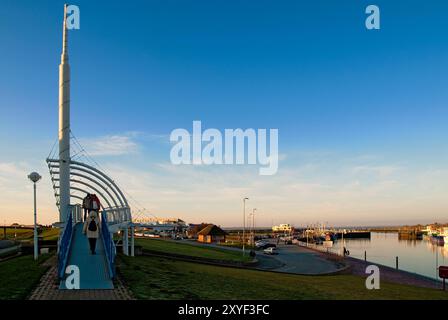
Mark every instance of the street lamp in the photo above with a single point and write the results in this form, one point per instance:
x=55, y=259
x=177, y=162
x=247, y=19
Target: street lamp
x=253, y=226
x=244, y=223
x=35, y=177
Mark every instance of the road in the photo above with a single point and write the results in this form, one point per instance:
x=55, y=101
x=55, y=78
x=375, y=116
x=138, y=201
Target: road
x=291, y=259
x=301, y=260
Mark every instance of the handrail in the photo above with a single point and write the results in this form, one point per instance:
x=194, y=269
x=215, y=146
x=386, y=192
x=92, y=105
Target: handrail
x=321, y=248
x=64, y=245
x=108, y=243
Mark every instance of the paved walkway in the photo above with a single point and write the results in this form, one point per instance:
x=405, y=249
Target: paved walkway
x=300, y=260
x=388, y=274
x=48, y=289
x=291, y=259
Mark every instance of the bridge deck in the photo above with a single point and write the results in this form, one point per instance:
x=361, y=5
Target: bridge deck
x=93, y=269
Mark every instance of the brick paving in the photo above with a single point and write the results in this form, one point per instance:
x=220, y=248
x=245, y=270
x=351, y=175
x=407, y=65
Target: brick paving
x=48, y=289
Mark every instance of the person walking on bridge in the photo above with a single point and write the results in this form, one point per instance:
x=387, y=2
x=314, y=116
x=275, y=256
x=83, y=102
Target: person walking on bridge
x=86, y=205
x=92, y=229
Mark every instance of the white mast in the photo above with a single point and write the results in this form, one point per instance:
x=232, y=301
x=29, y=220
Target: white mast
x=64, y=126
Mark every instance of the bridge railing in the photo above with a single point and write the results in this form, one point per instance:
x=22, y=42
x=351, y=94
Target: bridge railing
x=77, y=213
x=64, y=245
x=109, y=246
x=117, y=215
x=321, y=248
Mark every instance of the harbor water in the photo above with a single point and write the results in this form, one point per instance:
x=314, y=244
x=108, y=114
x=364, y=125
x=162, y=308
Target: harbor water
x=417, y=256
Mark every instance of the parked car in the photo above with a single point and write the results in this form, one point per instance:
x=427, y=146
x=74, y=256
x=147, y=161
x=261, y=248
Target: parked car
x=269, y=245
x=151, y=235
x=270, y=250
x=260, y=244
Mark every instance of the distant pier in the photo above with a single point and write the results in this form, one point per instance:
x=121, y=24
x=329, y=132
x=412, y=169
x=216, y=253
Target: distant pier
x=354, y=235
x=410, y=234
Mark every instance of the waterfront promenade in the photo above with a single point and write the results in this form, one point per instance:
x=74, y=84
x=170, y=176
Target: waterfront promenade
x=389, y=274
x=358, y=267
x=291, y=259
x=307, y=261
x=300, y=260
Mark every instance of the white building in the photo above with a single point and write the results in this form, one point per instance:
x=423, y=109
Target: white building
x=282, y=228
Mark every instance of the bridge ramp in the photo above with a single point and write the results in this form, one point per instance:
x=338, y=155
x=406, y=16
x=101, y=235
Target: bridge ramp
x=93, y=269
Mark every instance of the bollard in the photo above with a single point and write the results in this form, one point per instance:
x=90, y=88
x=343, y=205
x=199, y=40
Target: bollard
x=396, y=262
x=365, y=255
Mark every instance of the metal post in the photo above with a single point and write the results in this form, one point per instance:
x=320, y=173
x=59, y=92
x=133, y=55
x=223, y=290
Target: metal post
x=244, y=225
x=253, y=226
x=437, y=260
x=125, y=242
x=396, y=262
x=306, y=231
x=36, y=253
x=365, y=255
x=251, y=229
x=132, y=240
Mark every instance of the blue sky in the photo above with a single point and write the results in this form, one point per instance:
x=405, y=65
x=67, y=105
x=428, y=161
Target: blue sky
x=361, y=114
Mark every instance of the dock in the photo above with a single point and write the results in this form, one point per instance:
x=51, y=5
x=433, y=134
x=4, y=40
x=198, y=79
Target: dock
x=354, y=235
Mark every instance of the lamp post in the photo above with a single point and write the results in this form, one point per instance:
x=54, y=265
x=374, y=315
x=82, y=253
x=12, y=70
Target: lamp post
x=253, y=226
x=244, y=224
x=35, y=177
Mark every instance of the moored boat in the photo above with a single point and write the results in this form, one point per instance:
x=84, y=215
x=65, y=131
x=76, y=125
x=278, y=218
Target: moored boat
x=437, y=239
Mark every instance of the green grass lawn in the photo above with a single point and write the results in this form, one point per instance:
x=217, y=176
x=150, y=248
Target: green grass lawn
x=183, y=248
x=28, y=234
x=50, y=234
x=158, y=278
x=20, y=233
x=19, y=276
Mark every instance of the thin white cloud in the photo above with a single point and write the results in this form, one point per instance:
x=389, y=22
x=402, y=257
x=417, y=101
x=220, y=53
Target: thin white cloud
x=111, y=145
x=381, y=171
x=9, y=169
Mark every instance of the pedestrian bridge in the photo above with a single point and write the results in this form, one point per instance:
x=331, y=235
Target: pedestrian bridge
x=96, y=271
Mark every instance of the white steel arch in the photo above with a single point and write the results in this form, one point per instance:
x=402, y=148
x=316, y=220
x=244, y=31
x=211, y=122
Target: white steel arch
x=117, y=210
